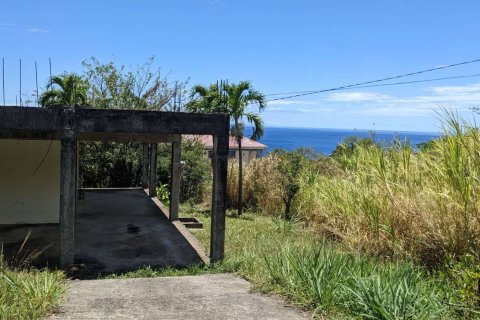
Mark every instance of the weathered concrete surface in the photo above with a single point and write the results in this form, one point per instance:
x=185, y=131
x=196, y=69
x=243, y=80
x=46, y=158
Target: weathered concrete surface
x=221, y=296
x=32, y=121
x=123, y=229
x=116, y=230
x=68, y=197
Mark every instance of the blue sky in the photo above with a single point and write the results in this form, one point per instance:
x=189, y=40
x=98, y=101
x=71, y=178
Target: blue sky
x=281, y=46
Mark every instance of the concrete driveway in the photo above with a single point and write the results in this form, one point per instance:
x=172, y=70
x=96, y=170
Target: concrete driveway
x=219, y=296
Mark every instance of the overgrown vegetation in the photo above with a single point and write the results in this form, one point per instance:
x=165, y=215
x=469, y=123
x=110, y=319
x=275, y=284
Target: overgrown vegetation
x=390, y=202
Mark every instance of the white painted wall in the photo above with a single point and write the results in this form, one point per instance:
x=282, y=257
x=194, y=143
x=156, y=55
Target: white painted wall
x=25, y=197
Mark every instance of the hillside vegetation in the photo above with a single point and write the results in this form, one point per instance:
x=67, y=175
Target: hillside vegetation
x=391, y=202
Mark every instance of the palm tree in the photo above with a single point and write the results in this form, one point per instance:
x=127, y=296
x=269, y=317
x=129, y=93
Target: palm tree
x=66, y=90
x=233, y=99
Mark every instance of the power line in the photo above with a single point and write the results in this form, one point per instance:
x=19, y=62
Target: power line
x=416, y=81
x=294, y=95
x=403, y=82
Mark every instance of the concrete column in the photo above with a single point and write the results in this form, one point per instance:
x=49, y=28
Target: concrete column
x=68, y=196
x=152, y=184
x=145, y=161
x=175, y=180
x=219, y=197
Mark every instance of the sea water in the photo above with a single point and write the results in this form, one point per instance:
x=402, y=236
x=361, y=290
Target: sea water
x=325, y=140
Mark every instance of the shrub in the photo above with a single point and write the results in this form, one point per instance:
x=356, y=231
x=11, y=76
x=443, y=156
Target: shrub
x=289, y=167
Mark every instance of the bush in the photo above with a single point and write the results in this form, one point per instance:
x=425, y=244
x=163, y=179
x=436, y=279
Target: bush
x=110, y=164
x=196, y=172
x=289, y=166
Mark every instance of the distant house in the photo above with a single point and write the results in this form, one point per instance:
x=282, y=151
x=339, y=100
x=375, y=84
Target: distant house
x=251, y=150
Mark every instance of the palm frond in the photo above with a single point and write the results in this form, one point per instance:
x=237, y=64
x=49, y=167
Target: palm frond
x=257, y=122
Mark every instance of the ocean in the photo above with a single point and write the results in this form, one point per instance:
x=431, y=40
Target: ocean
x=325, y=140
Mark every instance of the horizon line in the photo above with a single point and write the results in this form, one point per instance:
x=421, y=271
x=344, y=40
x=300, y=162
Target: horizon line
x=354, y=129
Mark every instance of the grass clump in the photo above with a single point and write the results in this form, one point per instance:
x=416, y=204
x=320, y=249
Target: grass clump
x=324, y=279
x=27, y=293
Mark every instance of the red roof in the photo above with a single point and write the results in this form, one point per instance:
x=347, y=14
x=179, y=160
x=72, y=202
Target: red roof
x=207, y=141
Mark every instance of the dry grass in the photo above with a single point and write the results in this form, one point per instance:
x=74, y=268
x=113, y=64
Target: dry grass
x=261, y=186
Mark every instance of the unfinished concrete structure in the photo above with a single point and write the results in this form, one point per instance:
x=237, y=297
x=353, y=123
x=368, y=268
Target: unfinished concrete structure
x=58, y=130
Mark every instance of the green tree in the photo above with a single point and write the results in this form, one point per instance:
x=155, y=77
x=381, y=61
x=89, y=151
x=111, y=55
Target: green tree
x=347, y=147
x=113, y=86
x=145, y=88
x=68, y=90
x=233, y=99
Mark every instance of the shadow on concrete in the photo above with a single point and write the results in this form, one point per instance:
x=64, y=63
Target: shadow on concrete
x=116, y=230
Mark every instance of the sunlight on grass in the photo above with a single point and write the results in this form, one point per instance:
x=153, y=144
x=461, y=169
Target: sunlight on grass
x=29, y=294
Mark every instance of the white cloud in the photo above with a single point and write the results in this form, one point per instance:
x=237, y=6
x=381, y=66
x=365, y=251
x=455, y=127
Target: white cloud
x=357, y=103
x=449, y=90
x=356, y=96
x=35, y=29
x=290, y=102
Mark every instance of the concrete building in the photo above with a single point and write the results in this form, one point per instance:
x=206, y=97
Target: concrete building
x=251, y=149
x=39, y=163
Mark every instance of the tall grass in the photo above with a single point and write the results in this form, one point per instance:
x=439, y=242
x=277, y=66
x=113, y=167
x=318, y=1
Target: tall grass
x=261, y=185
x=387, y=201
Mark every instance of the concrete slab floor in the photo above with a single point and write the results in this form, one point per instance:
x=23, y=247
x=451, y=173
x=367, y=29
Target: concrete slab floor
x=219, y=296
x=115, y=231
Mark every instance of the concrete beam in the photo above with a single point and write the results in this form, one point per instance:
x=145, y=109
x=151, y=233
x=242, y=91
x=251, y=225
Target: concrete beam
x=153, y=122
x=219, y=197
x=127, y=137
x=68, y=196
x=122, y=125
x=27, y=119
x=175, y=180
x=152, y=184
x=145, y=164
